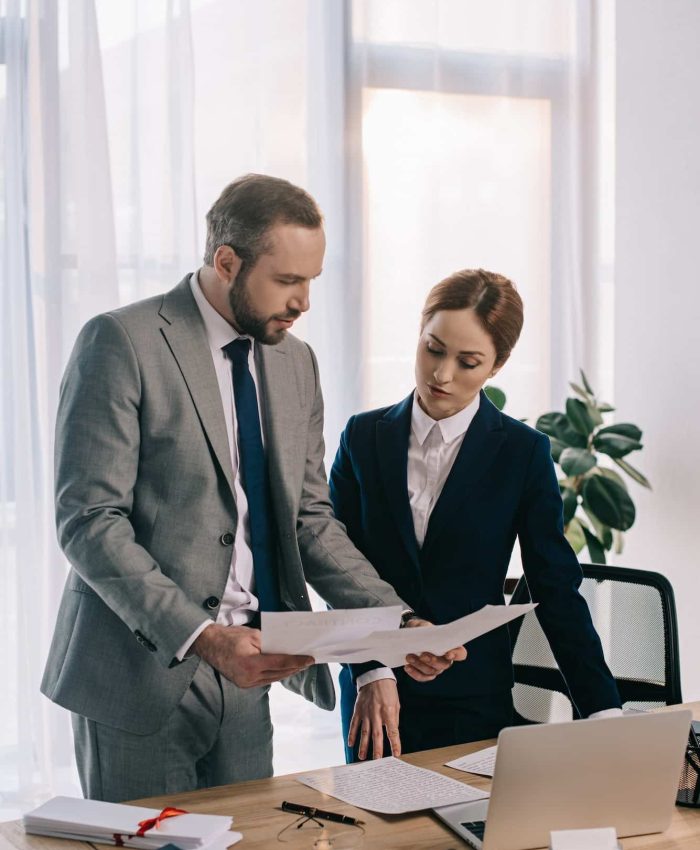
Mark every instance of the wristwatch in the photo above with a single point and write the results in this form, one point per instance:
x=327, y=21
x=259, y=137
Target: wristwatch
x=407, y=616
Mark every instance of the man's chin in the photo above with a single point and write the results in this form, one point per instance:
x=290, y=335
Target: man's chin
x=274, y=337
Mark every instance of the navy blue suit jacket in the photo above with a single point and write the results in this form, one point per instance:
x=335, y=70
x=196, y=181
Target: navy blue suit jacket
x=502, y=485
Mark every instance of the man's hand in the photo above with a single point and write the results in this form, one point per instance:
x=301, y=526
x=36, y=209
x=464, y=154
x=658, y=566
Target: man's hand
x=235, y=652
x=376, y=707
x=426, y=666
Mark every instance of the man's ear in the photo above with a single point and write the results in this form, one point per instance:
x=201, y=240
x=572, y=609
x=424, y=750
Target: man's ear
x=227, y=263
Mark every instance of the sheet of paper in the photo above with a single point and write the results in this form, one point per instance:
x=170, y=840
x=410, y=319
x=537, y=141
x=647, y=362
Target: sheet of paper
x=481, y=762
x=310, y=632
x=391, y=786
x=584, y=839
x=392, y=647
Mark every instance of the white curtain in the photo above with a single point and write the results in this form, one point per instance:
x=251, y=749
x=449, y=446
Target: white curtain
x=435, y=135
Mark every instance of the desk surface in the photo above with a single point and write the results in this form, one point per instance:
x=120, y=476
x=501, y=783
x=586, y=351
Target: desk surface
x=256, y=813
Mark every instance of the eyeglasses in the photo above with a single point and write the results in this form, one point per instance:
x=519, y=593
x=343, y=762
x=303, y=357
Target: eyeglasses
x=309, y=832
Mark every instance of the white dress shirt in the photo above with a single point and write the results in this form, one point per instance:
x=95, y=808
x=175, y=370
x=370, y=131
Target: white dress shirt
x=433, y=447
x=239, y=603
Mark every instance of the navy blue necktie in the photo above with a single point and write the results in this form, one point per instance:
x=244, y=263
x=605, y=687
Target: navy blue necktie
x=256, y=483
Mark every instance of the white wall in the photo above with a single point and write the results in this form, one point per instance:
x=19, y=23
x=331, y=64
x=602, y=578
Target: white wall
x=657, y=291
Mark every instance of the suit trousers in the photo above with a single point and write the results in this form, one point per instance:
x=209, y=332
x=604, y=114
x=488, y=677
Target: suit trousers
x=218, y=734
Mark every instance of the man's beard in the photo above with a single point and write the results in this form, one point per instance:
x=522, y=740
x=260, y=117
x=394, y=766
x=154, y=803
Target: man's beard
x=248, y=321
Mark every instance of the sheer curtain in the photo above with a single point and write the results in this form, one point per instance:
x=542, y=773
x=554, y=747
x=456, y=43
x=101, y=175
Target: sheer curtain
x=121, y=124
x=436, y=135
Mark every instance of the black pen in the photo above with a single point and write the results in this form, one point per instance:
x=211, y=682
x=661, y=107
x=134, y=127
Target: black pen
x=311, y=812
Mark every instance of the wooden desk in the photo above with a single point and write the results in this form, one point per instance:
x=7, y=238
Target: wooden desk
x=255, y=809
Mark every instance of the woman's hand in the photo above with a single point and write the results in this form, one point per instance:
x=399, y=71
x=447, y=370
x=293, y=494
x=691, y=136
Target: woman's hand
x=376, y=708
x=426, y=666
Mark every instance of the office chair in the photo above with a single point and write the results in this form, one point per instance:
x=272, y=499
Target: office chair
x=634, y=612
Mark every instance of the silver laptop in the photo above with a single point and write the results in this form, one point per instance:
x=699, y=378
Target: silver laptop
x=618, y=771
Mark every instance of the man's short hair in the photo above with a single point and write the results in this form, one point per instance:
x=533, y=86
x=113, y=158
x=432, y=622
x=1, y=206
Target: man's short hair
x=248, y=208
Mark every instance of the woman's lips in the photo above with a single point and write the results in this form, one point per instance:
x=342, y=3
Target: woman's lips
x=437, y=392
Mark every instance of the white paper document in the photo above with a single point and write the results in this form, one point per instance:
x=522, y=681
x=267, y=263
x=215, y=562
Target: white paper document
x=350, y=636
x=112, y=823
x=391, y=786
x=481, y=762
x=310, y=632
x=584, y=839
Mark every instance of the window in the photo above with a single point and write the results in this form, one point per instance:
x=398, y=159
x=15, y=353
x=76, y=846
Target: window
x=465, y=138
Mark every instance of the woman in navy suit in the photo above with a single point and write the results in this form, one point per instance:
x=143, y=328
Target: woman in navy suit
x=434, y=491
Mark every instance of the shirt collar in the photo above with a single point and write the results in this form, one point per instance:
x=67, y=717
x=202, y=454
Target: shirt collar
x=450, y=428
x=219, y=331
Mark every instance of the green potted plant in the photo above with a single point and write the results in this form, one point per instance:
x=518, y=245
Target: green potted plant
x=598, y=508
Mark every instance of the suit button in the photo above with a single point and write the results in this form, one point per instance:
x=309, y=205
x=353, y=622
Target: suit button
x=226, y=539
x=211, y=602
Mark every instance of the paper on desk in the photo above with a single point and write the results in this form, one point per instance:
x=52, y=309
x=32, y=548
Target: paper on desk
x=391, y=786
x=388, y=647
x=481, y=762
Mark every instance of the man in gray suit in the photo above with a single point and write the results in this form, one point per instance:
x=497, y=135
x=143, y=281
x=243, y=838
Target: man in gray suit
x=190, y=495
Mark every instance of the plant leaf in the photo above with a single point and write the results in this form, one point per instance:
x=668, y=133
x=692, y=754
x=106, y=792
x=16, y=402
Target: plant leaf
x=585, y=383
x=609, y=502
x=626, y=429
x=612, y=475
x=595, y=549
x=496, y=396
x=595, y=414
x=574, y=534
x=578, y=416
x=604, y=407
x=602, y=532
x=576, y=461
x=557, y=425
x=570, y=503
x=615, y=445
x=579, y=390
x=556, y=447
x=619, y=540
x=632, y=472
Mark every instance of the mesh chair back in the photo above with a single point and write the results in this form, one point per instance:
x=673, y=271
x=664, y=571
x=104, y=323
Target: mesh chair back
x=634, y=613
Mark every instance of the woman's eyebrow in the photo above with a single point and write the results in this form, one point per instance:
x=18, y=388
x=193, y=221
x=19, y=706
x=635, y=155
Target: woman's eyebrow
x=440, y=342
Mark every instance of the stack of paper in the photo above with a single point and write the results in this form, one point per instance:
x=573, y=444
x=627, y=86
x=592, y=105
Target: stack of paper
x=118, y=824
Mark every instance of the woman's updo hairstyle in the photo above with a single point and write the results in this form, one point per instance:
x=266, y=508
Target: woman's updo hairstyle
x=495, y=301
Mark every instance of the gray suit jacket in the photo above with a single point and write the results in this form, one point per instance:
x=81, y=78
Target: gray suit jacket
x=145, y=508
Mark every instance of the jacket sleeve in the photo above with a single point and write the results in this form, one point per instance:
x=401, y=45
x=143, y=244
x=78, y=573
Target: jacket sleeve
x=346, y=498
x=333, y=566
x=553, y=575
x=97, y=447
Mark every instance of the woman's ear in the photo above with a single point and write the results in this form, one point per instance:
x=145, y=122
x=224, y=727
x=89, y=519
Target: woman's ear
x=497, y=368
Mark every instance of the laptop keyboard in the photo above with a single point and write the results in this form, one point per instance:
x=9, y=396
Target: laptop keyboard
x=476, y=827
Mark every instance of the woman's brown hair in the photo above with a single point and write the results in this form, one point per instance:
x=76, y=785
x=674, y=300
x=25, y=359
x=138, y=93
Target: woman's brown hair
x=494, y=299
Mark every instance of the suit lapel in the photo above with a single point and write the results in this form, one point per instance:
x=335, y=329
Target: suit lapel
x=392, y=433
x=187, y=339
x=481, y=444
